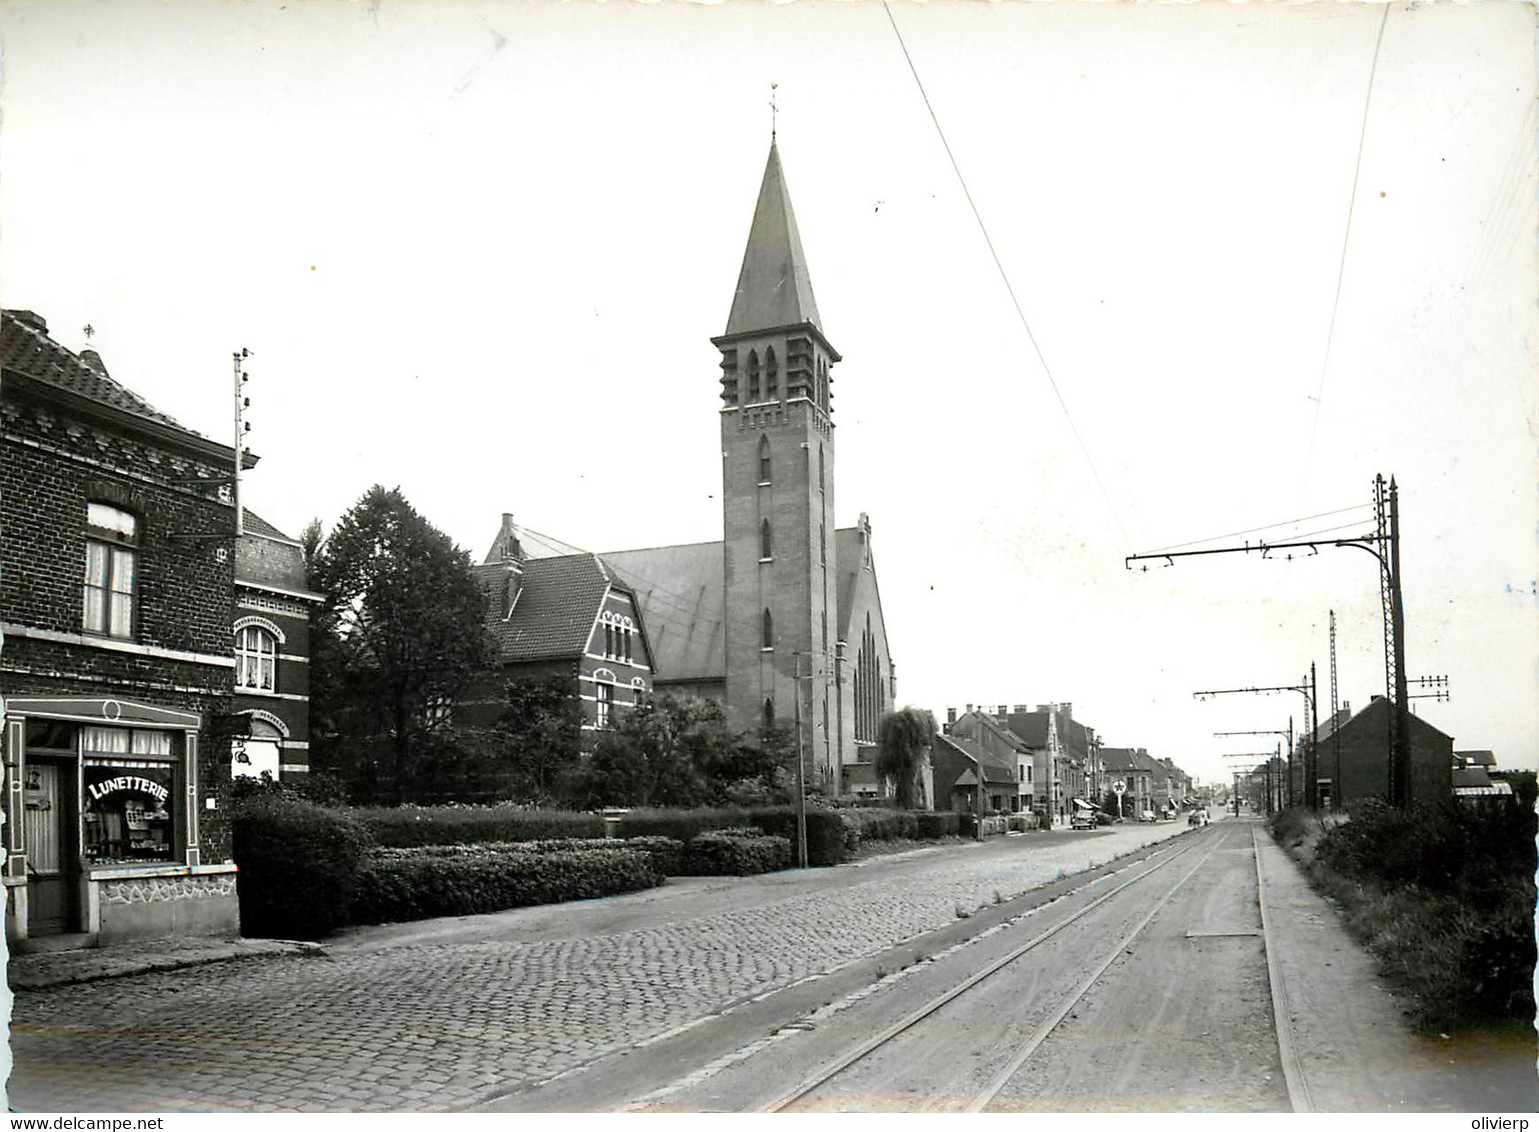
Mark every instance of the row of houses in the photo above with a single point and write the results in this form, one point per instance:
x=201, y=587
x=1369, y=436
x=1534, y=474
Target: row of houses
x=1044, y=761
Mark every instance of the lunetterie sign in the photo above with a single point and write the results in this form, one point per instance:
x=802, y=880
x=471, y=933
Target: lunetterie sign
x=127, y=783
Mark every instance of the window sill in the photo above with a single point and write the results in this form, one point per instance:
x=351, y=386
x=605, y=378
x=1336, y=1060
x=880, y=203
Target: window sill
x=762, y=561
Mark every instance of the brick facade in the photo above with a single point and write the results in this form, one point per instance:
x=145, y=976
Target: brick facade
x=72, y=438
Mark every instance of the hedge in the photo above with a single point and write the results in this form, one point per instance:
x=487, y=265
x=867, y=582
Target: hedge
x=665, y=853
x=298, y=866
x=825, y=831
x=406, y=885
x=735, y=852
x=408, y=826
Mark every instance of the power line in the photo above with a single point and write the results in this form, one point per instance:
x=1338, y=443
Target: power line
x=1346, y=236
x=1267, y=527
x=1005, y=278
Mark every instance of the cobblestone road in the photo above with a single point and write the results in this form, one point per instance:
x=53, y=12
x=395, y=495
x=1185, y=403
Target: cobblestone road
x=441, y=1024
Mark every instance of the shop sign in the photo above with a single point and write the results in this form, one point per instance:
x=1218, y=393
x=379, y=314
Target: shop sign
x=131, y=783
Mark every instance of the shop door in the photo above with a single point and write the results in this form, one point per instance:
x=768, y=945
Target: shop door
x=47, y=822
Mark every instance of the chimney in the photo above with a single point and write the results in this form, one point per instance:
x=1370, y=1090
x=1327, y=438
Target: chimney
x=1002, y=713
x=511, y=552
x=1067, y=709
x=1020, y=709
x=1044, y=707
x=951, y=717
x=969, y=709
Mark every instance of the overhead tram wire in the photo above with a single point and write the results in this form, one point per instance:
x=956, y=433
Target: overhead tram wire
x=1005, y=278
x=1341, y=267
x=1267, y=527
x=684, y=605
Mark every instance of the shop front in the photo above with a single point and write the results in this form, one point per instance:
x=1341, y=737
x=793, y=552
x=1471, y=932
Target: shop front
x=102, y=800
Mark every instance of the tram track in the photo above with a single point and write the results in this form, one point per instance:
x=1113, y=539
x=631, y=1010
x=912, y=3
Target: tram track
x=823, y=1083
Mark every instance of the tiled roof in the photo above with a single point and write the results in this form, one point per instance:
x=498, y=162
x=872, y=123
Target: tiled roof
x=25, y=348
x=1031, y=726
x=1471, y=776
x=681, y=591
x=558, y=602
x=1477, y=758
x=260, y=526
x=995, y=769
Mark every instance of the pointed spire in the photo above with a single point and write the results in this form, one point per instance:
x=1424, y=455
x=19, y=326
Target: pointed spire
x=774, y=288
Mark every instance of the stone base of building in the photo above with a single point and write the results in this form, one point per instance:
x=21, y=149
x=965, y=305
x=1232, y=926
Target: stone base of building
x=128, y=904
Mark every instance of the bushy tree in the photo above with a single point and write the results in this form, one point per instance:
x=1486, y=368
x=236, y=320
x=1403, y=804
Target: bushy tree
x=903, y=739
x=677, y=751
x=399, y=636
x=537, y=737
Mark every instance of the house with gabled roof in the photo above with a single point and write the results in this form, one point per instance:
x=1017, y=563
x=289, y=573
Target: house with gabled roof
x=957, y=764
x=570, y=617
x=999, y=741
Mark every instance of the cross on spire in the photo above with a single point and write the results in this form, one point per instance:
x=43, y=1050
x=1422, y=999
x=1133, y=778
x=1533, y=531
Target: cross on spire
x=88, y=331
x=774, y=111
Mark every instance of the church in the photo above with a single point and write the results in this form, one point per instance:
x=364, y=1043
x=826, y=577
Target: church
x=781, y=619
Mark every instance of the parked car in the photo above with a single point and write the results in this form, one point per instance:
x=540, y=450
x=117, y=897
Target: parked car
x=1083, y=819
x=1198, y=817
x=1147, y=815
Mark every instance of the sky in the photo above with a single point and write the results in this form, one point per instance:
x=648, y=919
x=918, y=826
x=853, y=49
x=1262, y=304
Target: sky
x=1222, y=280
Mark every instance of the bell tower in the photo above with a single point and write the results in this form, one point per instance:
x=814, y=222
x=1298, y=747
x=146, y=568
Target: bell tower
x=777, y=465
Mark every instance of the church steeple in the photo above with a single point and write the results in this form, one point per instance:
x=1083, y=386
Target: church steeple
x=774, y=288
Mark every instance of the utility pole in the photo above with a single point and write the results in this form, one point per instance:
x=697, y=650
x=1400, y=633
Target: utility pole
x=1306, y=690
x=1335, y=724
x=801, y=773
x=242, y=403
x=1312, y=758
x=1384, y=544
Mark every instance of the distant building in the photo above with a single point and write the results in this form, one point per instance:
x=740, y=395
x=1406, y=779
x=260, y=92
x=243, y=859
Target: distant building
x=958, y=763
x=1003, y=744
x=1361, y=768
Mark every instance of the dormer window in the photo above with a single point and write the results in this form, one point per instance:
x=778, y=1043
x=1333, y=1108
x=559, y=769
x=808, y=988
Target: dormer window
x=108, y=584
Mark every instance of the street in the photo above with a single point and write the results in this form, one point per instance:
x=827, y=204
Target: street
x=706, y=994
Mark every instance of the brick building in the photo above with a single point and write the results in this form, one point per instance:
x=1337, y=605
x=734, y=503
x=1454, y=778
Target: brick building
x=570, y=617
x=273, y=603
x=1361, y=768
x=956, y=765
x=116, y=579
x=782, y=618
x=995, y=738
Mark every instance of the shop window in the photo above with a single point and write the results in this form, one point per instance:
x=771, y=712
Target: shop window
x=112, y=535
x=129, y=795
x=256, y=659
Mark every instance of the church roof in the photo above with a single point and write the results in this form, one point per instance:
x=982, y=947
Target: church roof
x=681, y=591
x=774, y=288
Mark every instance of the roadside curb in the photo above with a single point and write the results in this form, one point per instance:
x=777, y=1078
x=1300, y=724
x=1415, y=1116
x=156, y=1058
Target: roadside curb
x=89, y=965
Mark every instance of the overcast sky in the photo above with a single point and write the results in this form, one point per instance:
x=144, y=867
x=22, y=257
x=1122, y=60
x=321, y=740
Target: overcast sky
x=479, y=250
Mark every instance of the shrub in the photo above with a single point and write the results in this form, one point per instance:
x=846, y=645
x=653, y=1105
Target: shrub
x=735, y=852
x=399, y=885
x=298, y=866
x=665, y=853
x=932, y=826
x=468, y=825
x=825, y=831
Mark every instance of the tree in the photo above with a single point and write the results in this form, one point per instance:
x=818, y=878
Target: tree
x=902, y=740
x=310, y=541
x=538, y=735
x=400, y=634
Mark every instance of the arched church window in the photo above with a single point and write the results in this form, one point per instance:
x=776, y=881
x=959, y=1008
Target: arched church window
x=820, y=467
x=766, y=545
x=753, y=376
x=769, y=630
x=769, y=713
x=764, y=459
x=823, y=543
x=771, y=375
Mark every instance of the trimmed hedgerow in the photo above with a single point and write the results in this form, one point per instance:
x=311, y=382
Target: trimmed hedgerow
x=398, y=885
x=825, y=831
x=681, y=824
x=298, y=866
x=407, y=826
x=937, y=825
x=735, y=852
x=665, y=853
